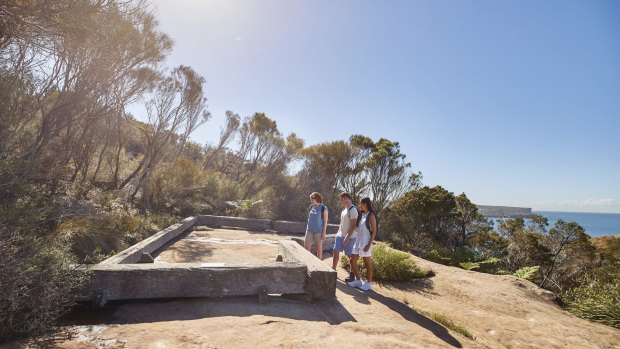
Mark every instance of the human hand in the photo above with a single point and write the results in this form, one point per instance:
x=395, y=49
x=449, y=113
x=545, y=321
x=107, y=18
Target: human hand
x=323, y=236
x=346, y=241
x=366, y=248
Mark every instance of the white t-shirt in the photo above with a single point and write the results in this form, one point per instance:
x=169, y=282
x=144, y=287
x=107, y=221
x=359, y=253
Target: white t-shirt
x=345, y=221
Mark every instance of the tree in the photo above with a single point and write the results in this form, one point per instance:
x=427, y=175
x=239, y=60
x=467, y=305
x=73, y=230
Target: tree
x=469, y=220
x=424, y=218
x=324, y=165
x=387, y=176
x=68, y=69
x=525, y=244
x=227, y=135
x=76, y=75
x=262, y=152
x=571, y=255
x=178, y=106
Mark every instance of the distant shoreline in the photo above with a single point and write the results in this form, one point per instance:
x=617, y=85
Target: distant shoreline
x=505, y=211
x=595, y=224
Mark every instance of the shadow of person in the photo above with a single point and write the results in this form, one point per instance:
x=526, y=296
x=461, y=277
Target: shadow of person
x=422, y=286
x=413, y=316
x=357, y=294
x=403, y=310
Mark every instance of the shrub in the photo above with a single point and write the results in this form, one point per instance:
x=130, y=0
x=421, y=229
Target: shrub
x=490, y=265
x=94, y=238
x=451, y=257
x=595, y=300
x=38, y=285
x=469, y=265
x=439, y=256
x=389, y=264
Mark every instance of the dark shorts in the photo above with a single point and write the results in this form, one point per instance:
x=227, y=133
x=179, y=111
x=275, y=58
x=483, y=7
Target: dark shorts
x=340, y=247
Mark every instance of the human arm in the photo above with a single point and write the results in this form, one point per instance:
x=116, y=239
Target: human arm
x=373, y=232
x=325, y=216
x=352, y=224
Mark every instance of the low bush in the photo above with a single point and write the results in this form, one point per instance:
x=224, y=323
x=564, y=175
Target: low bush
x=389, y=264
x=451, y=257
x=470, y=265
x=38, y=285
x=595, y=300
x=93, y=239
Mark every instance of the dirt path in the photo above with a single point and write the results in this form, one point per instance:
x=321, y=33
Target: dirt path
x=500, y=311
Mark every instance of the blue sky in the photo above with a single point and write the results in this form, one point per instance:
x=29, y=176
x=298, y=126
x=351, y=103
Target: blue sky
x=511, y=102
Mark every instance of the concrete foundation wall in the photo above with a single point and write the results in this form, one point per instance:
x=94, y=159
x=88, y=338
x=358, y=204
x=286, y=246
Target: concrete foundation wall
x=186, y=280
x=149, y=245
x=235, y=222
x=285, y=227
x=321, y=281
x=297, y=271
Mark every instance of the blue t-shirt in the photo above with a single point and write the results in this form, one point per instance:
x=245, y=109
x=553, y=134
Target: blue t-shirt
x=315, y=219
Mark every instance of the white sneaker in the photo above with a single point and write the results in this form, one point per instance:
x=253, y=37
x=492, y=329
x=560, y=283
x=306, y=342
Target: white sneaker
x=367, y=286
x=355, y=283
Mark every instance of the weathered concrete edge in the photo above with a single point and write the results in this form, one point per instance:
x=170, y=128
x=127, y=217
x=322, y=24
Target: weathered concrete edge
x=321, y=282
x=187, y=280
x=151, y=244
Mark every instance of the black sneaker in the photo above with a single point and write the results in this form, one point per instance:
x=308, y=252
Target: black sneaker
x=350, y=278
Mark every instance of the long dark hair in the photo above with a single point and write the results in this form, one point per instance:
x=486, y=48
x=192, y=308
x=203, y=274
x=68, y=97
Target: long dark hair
x=366, y=201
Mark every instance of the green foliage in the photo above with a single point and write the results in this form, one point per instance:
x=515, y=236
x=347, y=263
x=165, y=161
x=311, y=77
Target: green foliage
x=38, y=285
x=595, y=300
x=247, y=208
x=176, y=187
x=527, y=273
x=451, y=257
x=488, y=244
x=91, y=239
x=469, y=265
x=440, y=256
x=389, y=264
x=490, y=265
x=607, y=266
x=433, y=218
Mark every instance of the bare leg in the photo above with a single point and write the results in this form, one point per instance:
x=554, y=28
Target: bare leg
x=335, y=259
x=368, y=263
x=356, y=270
x=319, y=250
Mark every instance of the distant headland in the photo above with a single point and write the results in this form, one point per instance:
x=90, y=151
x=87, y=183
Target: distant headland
x=504, y=211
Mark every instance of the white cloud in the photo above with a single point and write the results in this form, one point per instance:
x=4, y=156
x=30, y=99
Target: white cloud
x=589, y=202
x=599, y=202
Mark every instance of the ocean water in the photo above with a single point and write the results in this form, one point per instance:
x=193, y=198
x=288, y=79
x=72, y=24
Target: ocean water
x=595, y=224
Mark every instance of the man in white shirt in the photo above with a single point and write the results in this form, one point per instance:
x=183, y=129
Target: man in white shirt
x=345, y=238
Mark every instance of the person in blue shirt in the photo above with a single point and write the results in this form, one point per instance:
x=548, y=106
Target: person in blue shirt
x=316, y=230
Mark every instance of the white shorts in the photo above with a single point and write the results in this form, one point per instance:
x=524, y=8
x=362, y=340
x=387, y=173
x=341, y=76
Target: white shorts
x=358, y=248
